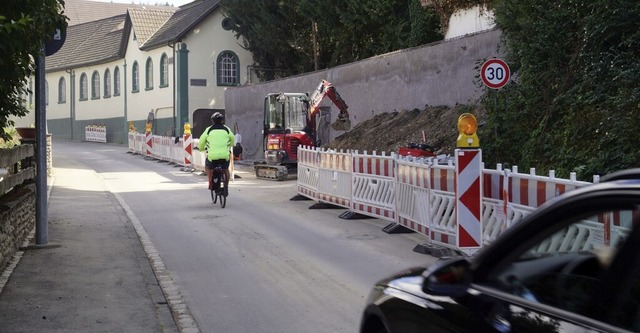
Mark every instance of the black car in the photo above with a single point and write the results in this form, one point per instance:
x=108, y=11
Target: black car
x=572, y=265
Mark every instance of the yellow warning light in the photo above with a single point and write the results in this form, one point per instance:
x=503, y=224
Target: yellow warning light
x=467, y=127
x=187, y=129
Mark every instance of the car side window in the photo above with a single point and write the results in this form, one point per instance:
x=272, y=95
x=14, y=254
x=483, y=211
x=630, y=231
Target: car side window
x=567, y=270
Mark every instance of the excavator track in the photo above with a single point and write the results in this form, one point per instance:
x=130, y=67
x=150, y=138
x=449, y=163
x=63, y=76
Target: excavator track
x=273, y=172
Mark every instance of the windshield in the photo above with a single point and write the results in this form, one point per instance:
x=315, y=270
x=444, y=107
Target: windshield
x=286, y=111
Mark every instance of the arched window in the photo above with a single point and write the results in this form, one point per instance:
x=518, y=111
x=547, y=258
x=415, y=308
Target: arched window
x=95, y=85
x=149, y=74
x=107, y=83
x=164, y=71
x=83, y=87
x=135, y=77
x=228, y=73
x=62, y=90
x=116, y=81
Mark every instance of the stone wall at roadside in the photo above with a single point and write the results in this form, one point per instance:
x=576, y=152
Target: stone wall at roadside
x=17, y=219
x=18, y=210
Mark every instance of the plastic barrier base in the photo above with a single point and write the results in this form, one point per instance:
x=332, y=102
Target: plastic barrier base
x=299, y=197
x=395, y=228
x=324, y=205
x=349, y=215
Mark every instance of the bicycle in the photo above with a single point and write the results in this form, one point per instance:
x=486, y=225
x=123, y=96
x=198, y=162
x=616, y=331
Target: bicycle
x=216, y=184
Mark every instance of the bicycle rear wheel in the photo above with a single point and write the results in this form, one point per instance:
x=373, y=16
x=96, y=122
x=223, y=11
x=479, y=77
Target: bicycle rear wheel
x=223, y=190
x=223, y=200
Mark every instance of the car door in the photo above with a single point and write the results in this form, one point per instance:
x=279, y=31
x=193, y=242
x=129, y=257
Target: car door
x=568, y=275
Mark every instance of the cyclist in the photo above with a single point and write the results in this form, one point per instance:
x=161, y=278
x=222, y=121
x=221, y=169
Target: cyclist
x=218, y=140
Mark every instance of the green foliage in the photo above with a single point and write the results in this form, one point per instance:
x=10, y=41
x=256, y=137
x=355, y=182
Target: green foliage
x=11, y=139
x=23, y=27
x=282, y=38
x=575, y=102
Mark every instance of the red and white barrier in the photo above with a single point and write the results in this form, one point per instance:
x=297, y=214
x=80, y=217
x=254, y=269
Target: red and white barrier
x=417, y=194
x=412, y=190
x=373, y=188
x=95, y=133
x=334, y=178
x=308, y=163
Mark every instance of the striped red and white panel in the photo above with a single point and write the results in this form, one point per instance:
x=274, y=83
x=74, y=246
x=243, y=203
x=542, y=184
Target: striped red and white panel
x=469, y=199
x=148, y=143
x=188, y=149
x=533, y=192
x=386, y=214
x=443, y=179
x=374, y=165
x=415, y=226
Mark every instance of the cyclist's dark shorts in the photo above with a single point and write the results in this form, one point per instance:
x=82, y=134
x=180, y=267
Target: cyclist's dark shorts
x=224, y=164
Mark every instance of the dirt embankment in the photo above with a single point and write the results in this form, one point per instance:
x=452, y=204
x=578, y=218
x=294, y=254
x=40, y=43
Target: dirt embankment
x=391, y=130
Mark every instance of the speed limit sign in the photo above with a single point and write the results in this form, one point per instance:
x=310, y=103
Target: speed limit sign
x=495, y=73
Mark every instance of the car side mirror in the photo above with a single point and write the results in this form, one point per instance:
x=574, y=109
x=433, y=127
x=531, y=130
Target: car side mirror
x=448, y=278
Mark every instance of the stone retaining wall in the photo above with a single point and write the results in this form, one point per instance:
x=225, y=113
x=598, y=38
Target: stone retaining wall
x=17, y=219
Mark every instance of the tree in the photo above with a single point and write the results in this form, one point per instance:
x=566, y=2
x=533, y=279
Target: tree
x=575, y=104
x=297, y=36
x=23, y=27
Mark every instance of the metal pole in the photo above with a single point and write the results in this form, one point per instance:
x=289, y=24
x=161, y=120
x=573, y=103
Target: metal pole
x=42, y=233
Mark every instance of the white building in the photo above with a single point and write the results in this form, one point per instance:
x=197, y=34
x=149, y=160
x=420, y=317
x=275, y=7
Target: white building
x=164, y=64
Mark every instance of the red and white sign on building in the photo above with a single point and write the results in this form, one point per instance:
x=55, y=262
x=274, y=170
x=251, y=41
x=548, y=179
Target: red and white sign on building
x=469, y=199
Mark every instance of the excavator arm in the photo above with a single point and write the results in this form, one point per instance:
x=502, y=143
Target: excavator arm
x=325, y=88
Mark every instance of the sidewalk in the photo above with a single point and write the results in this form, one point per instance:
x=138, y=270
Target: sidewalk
x=92, y=276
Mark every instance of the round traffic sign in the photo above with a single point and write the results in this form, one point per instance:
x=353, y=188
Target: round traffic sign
x=495, y=73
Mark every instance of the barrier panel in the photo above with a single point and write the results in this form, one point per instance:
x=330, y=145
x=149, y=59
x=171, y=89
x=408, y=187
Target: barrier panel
x=308, y=163
x=413, y=193
x=131, y=141
x=442, y=205
x=373, y=185
x=334, y=178
x=495, y=215
x=95, y=133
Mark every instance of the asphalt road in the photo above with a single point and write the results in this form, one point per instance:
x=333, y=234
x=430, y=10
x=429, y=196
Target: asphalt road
x=262, y=264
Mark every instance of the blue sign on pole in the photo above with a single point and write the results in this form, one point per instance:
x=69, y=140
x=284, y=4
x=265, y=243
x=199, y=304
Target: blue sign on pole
x=53, y=43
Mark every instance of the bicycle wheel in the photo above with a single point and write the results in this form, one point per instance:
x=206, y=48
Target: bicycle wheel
x=223, y=189
x=223, y=200
x=214, y=196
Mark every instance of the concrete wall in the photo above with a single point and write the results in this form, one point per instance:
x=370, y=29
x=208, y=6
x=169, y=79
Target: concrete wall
x=443, y=73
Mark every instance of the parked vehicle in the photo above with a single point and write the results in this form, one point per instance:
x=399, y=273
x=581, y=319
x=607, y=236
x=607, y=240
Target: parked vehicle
x=572, y=265
x=291, y=120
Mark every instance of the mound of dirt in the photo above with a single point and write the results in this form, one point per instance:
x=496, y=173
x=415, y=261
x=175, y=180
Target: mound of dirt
x=389, y=131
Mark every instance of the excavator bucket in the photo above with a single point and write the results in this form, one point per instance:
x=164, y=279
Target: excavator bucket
x=341, y=124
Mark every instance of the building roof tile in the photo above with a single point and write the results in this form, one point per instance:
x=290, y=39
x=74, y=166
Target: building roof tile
x=182, y=21
x=146, y=22
x=90, y=43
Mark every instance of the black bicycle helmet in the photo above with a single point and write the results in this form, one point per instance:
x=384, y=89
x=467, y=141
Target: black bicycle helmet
x=217, y=118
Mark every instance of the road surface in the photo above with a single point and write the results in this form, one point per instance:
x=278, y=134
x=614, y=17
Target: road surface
x=262, y=264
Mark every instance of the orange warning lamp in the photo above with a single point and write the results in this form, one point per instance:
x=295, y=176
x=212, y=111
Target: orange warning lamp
x=467, y=127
